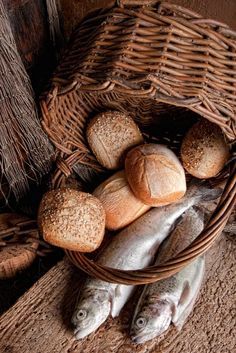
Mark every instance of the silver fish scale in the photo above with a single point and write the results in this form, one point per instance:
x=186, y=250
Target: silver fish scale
x=187, y=230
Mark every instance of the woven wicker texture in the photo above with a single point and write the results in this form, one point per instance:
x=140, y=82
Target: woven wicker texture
x=150, y=60
x=19, y=241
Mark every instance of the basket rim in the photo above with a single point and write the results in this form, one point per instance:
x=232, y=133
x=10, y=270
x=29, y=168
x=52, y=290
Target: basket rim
x=155, y=273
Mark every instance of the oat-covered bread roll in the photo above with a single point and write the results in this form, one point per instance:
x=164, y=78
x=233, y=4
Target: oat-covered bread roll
x=155, y=174
x=204, y=150
x=72, y=220
x=120, y=204
x=110, y=135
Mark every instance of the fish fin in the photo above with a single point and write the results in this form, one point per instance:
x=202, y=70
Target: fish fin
x=181, y=319
x=185, y=310
x=118, y=291
x=185, y=293
x=183, y=302
x=121, y=296
x=173, y=309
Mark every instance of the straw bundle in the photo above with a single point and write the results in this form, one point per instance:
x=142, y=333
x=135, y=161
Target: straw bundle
x=25, y=151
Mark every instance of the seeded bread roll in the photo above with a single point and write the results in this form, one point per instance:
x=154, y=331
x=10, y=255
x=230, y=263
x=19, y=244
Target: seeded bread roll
x=110, y=135
x=204, y=151
x=155, y=174
x=72, y=220
x=120, y=204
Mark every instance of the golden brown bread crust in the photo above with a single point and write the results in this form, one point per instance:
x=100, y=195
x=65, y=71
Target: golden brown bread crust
x=110, y=135
x=204, y=150
x=120, y=204
x=72, y=220
x=155, y=174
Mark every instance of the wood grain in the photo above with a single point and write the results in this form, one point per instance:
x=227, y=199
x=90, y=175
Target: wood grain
x=40, y=321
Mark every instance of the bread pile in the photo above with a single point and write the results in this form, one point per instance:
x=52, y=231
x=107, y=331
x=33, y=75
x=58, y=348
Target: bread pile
x=147, y=175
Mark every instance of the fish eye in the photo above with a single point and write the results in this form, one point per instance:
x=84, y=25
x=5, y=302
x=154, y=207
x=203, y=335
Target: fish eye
x=82, y=314
x=141, y=322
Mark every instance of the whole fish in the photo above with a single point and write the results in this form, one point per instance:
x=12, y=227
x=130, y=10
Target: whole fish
x=133, y=248
x=171, y=299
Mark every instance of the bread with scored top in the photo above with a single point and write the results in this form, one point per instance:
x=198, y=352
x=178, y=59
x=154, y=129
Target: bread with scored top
x=155, y=174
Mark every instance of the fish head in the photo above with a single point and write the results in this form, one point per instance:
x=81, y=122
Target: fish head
x=91, y=311
x=151, y=321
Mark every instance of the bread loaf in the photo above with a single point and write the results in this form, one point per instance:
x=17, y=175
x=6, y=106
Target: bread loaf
x=204, y=151
x=72, y=220
x=120, y=204
x=110, y=135
x=155, y=174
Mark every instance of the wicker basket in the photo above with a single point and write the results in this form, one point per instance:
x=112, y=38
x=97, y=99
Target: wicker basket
x=19, y=241
x=153, y=60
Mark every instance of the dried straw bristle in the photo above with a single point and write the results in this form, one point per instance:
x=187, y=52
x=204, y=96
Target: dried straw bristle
x=25, y=151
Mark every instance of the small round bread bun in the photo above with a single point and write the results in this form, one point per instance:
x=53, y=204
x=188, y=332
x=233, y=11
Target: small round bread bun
x=120, y=204
x=155, y=174
x=110, y=135
x=204, y=150
x=72, y=220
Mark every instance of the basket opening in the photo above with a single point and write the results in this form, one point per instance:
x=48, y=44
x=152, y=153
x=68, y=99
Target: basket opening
x=159, y=122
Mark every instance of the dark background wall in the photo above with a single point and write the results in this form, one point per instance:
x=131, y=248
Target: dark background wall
x=29, y=24
x=28, y=20
x=221, y=10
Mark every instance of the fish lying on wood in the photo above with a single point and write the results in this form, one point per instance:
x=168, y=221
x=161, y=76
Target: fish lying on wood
x=171, y=299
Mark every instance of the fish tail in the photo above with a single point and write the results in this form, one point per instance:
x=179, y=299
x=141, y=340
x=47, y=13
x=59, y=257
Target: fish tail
x=202, y=191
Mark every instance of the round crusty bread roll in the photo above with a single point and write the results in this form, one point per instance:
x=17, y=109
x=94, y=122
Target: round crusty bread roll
x=120, y=204
x=155, y=174
x=72, y=220
x=110, y=135
x=204, y=150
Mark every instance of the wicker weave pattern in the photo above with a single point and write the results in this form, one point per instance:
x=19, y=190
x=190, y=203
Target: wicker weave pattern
x=145, y=60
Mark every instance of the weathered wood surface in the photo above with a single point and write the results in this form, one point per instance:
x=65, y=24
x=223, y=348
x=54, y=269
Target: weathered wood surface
x=40, y=321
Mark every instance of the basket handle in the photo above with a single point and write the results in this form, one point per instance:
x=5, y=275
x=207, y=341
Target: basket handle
x=123, y=3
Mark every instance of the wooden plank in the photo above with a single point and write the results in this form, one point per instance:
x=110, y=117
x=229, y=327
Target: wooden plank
x=40, y=321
